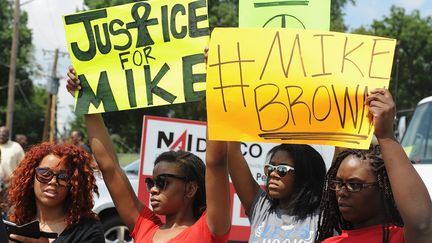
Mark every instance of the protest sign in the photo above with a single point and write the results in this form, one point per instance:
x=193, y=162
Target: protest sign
x=294, y=86
x=141, y=54
x=303, y=14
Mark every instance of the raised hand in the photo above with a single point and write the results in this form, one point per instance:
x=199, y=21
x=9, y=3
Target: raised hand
x=73, y=82
x=381, y=112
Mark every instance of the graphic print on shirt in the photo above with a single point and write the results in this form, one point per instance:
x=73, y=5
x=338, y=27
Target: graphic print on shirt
x=292, y=233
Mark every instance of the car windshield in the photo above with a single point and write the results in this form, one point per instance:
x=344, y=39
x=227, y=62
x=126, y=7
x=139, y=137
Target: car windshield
x=417, y=141
x=132, y=168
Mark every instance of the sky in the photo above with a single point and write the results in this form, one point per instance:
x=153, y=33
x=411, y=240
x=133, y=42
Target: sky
x=45, y=20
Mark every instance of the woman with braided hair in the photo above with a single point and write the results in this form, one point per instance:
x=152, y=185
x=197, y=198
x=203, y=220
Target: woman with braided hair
x=375, y=195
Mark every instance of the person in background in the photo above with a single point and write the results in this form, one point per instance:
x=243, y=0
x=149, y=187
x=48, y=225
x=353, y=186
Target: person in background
x=11, y=154
x=54, y=184
x=77, y=138
x=375, y=195
x=194, y=198
x=22, y=140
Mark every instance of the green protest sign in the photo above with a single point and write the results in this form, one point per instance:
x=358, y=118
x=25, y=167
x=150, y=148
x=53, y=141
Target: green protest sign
x=307, y=14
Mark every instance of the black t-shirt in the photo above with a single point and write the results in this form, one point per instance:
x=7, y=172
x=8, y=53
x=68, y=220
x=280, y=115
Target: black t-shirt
x=3, y=234
x=86, y=231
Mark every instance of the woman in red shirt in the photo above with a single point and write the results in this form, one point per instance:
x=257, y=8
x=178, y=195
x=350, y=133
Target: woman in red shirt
x=194, y=211
x=374, y=196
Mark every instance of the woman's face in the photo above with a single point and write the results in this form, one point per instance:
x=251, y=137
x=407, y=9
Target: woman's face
x=362, y=208
x=51, y=192
x=281, y=187
x=169, y=199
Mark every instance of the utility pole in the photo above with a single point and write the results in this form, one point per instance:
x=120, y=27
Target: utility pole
x=12, y=68
x=50, y=113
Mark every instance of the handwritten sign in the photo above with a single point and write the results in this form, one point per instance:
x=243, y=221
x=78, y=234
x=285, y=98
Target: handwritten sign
x=303, y=14
x=294, y=86
x=139, y=55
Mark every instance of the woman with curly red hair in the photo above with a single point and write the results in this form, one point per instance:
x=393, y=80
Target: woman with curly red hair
x=54, y=184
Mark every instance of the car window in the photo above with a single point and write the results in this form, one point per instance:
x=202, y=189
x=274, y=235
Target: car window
x=133, y=167
x=417, y=141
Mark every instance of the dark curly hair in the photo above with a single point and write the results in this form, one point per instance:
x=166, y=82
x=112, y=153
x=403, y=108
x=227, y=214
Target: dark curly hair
x=194, y=170
x=309, y=172
x=79, y=201
x=331, y=220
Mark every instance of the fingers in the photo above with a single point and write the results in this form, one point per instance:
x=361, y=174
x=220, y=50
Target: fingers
x=380, y=98
x=381, y=112
x=206, y=49
x=379, y=91
x=72, y=69
x=24, y=239
x=73, y=84
x=380, y=101
x=18, y=238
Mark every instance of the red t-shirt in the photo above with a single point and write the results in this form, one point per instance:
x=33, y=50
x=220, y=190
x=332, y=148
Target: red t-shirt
x=148, y=223
x=369, y=234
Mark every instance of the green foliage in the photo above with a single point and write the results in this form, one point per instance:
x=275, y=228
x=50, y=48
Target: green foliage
x=411, y=79
x=94, y=4
x=337, y=14
x=223, y=13
x=29, y=100
x=29, y=114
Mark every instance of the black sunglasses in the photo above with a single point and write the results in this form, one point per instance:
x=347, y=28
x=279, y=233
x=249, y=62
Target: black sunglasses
x=161, y=181
x=44, y=175
x=281, y=170
x=337, y=185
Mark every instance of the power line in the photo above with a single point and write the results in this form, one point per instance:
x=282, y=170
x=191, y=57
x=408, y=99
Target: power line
x=24, y=3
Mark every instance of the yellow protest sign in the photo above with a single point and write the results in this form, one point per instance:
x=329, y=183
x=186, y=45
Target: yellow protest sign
x=294, y=86
x=142, y=54
x=298, y=14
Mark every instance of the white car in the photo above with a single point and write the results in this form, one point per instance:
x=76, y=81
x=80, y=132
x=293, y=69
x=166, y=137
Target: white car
x=115, y=230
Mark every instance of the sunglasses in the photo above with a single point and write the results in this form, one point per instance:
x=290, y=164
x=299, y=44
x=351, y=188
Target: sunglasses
x=281, y=170
x=161, y=181
x=44, y=175
x=337, y=185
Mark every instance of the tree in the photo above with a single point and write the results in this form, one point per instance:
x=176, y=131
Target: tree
x=411, y=79
x=337, y=14
x=28, y=115
x=222, y=13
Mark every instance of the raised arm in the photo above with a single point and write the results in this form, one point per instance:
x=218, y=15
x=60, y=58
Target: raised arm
x=410, y=193
x=241, y=176
x=217, y=188
x=127, y=204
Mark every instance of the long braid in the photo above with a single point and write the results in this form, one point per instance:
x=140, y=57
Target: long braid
x=330, y=219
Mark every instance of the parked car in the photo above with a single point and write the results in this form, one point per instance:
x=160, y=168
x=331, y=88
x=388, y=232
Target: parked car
x=417, y=140
x=115, y=230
